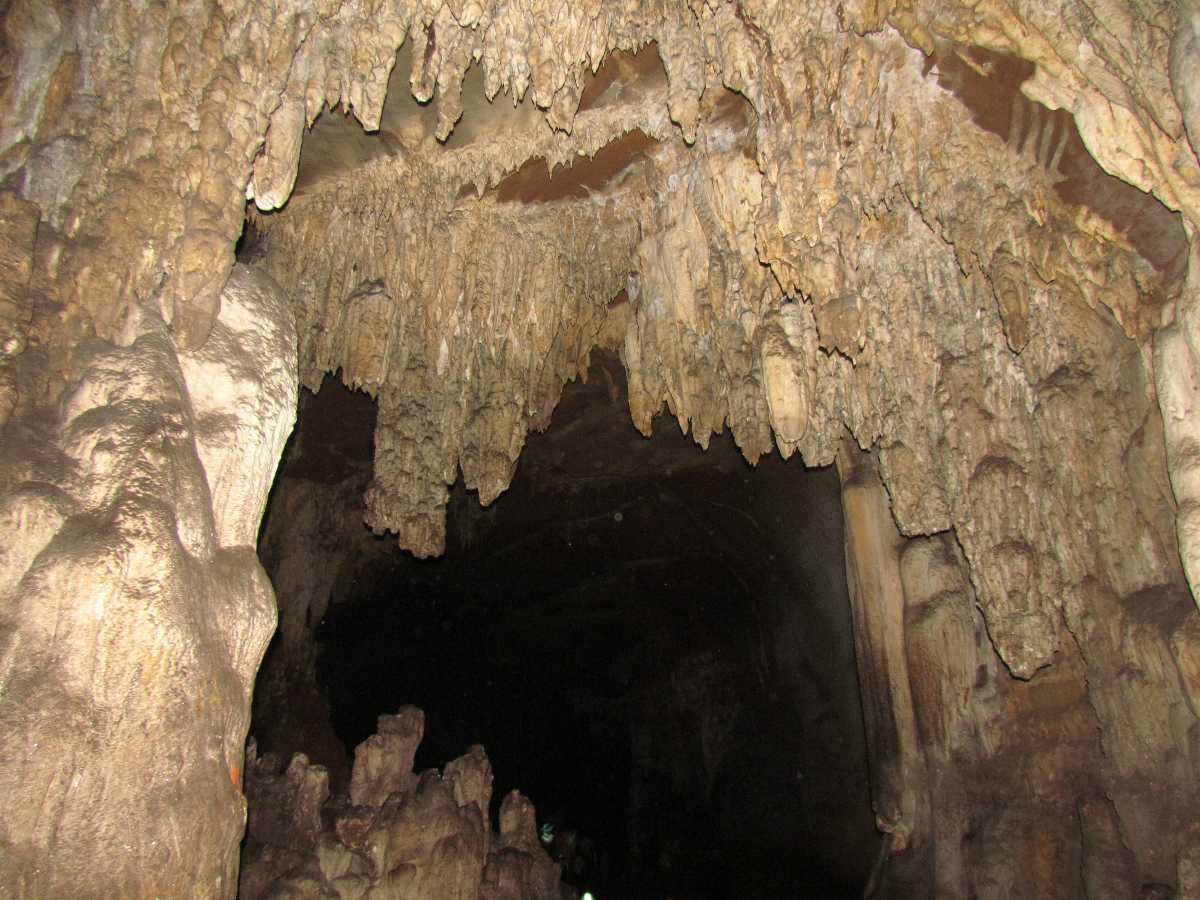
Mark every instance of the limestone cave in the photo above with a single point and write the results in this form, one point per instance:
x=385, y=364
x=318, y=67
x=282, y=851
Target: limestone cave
x=707, y=449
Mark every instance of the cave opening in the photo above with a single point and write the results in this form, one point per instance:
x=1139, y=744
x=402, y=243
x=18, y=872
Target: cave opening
x=651, y=641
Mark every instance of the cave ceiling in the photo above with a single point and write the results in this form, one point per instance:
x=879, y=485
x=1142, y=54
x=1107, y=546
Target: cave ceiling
x=897, y=232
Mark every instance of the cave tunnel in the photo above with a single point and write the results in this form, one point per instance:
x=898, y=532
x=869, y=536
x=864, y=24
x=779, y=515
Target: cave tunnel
x=651, y=641
x=693, y=676
x=904, y=608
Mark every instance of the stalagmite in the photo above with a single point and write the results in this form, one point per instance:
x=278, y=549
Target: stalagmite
x=405, y=836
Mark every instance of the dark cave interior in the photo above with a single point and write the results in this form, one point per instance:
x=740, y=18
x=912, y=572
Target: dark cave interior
x=650, y=640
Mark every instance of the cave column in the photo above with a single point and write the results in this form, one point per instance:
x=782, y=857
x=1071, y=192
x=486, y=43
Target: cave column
x=874, y=548
x=133, y=609
x=1177, y=377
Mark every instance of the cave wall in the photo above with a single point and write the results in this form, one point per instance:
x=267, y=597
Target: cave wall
x=136, y=610
x=312, y=544
x=1025, y=377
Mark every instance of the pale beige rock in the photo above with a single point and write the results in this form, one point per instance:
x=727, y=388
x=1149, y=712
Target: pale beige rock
x=437, y=371
x=35, y=29
x=242, y=385
x=118, y=604
x=998, y=346
x=1185, y=69
x=1177, y=370
x=892, y=261
x=364, y=331
x=790, y=336
x=877, y=601
x=275, y=170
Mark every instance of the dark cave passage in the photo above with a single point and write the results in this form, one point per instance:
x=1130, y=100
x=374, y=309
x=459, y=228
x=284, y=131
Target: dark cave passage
x=651, y=641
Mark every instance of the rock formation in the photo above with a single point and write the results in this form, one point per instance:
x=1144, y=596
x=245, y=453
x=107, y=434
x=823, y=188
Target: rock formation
x=136, y=611
x=397, y=834
x=652, y=641
x=951, y=246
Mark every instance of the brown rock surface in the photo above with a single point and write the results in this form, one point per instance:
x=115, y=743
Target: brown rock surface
x=396, y=834
x=849, y=249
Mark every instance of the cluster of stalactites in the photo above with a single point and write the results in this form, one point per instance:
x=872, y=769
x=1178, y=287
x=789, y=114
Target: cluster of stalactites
x=548, y=53
x=882, y=302
x=464, y=326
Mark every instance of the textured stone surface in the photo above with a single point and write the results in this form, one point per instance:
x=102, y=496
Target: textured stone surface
x=383, y=763
x=242, y=385
x=853, y=248
x=877, y=597
x=518, y=867
x=396, y=835
x=135, y=615
x=18, y=228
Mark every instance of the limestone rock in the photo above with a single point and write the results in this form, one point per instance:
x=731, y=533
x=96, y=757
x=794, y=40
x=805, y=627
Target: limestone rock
x=517, y=866
x=436, y=372
x=275, y=169
x=1185, y=70
x=118, y=592
x=242, y=384
x=285, y=808
x=470, y=778
x=383, y=762
x=877, y=599
x=963, y=327
x=18, y=228
x=1177, y=369
x=426, y=838
x=1020, y=361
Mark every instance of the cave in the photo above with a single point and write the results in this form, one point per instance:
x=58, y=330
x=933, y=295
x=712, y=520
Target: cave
x=650, y=641
x=476, y=449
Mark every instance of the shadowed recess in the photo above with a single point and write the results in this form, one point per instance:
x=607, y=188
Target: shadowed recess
x=535, y=183
x=653, y=642
x=621, y=71
x=989, y=83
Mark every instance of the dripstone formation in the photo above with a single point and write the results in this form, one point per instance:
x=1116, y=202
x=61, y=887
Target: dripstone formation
x=396, y=834
x=951, y=247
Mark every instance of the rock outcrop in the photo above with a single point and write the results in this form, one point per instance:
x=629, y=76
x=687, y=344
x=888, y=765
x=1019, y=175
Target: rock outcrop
x=135, y=610
x=396, y=834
